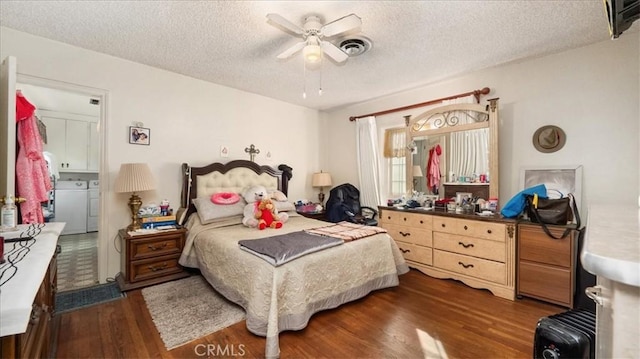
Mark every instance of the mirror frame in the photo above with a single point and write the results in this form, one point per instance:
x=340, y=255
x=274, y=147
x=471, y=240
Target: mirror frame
x=490, y=110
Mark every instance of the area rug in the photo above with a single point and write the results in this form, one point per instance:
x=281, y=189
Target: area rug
x=85, y=297
x=188, y=309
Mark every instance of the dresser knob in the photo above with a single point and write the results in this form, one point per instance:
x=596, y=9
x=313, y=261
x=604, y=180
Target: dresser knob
x=443, y=225
x=465, y=228
x=154, y=248
x=405, y=219
x=421, y=222
x=389, y=217
x=489, y=231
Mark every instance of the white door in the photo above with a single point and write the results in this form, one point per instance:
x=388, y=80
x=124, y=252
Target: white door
x=77, y=142
x=56, y=131
x=8, y=127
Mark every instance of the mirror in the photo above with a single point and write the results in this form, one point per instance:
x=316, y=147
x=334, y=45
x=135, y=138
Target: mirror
x=458, y=144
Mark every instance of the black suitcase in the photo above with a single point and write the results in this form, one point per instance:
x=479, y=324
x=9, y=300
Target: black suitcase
x=571, y=334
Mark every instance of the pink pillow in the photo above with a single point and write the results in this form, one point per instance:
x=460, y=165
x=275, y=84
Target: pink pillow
x=225, y=198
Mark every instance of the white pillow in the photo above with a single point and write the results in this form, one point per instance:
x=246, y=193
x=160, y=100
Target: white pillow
x=284, y=206
x=210, y=212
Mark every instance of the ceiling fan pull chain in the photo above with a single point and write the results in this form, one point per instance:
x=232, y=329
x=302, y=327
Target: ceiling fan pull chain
x=320, y=86
x=304, y=80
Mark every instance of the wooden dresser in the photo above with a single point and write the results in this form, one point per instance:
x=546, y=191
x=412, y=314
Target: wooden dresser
x=479, y=251
x=150, y=258
x=27, y=297
x=547, y=266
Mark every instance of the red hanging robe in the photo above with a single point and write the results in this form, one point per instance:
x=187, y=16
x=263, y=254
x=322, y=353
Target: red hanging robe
x=33, y=183
x=433, y=167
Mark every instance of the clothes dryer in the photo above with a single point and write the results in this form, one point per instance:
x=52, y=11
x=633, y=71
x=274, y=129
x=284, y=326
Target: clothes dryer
x=71, y=206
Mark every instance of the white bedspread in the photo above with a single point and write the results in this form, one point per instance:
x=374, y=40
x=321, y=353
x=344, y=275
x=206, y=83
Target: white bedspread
x=284, y=298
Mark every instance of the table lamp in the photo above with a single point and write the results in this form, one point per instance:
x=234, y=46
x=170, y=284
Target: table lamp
x=417, y=172
x=134, y=177
x=321, y=179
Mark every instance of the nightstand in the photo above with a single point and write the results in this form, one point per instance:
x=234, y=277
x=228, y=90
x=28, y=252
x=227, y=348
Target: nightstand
x=150, y=258
x=321, y=216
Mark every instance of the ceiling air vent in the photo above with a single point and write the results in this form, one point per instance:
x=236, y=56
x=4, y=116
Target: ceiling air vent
x=94, y=101
x=355, y=46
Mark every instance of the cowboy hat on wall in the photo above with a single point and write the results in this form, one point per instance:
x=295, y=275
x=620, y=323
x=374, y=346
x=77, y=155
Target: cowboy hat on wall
x=549, y=139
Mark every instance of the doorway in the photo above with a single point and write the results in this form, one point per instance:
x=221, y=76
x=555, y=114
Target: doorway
x=73, y=118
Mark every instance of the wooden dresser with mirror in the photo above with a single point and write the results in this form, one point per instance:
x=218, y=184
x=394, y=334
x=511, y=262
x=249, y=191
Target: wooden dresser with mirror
x=478, y=250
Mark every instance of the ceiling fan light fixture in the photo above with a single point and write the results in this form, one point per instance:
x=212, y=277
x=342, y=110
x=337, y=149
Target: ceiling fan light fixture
x=312, y=53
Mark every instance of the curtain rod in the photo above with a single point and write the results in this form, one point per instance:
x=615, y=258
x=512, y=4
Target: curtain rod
x=475, y=93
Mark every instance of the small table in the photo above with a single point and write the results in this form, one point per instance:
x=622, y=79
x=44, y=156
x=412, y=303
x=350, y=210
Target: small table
x=150, y=258
x=321, y=216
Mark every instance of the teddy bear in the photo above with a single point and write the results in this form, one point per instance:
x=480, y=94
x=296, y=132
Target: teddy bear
x=266, y=215
x=253, y=196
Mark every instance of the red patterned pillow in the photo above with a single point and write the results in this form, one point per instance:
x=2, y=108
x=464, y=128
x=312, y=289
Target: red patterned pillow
x=225, y=198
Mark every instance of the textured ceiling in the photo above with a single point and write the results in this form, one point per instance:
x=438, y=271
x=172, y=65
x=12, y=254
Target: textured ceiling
x=230, y=42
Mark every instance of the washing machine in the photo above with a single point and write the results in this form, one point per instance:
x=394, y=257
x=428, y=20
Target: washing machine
x=93, y=205
x=71, y=206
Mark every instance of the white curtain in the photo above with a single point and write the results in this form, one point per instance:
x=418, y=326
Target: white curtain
x=368, y=161
x=470, y=147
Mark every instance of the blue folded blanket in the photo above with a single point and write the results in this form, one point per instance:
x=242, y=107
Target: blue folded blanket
x=283, y=248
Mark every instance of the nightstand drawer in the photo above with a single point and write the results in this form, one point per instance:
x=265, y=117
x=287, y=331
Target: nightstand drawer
x=156, y=247
x=544, y=282
x=537, y=246
x=154, y=267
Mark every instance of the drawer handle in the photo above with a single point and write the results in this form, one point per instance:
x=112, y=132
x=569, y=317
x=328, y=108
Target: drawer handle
x=404, y=219
x=466, y=245
x=405, y=234
x=421, y=222
x=161, y=267
x=465, y=228
x=489, y=231
x=405, y=250
x=466, y=265
x=443, y=225
x=154, y=248
x=389, y=217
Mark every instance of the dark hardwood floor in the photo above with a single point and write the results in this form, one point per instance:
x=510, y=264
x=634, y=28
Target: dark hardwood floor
x=422, y=318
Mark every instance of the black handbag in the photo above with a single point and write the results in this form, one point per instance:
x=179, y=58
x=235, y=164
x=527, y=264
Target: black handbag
x=556, y=211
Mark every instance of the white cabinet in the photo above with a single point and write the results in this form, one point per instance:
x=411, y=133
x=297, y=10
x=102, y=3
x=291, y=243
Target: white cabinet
x=74, y=142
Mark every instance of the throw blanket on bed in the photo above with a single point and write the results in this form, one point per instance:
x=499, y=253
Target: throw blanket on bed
x=346, y=231
x=283, y=248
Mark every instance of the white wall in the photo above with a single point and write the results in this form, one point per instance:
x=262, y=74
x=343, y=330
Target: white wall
x=592, y=93
x=189, y=121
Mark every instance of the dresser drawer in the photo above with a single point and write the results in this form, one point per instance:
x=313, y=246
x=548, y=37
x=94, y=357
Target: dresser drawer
x=156, y=246
x=475, y=267
x=410, y=235
x=414, y=253
x=478, y=229
x=416, y=220
x=470, y=246
x=153, y=267
x=545, y=282
x=537, y=246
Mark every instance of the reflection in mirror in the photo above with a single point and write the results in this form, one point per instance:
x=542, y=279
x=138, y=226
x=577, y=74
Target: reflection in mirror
x=454, y=148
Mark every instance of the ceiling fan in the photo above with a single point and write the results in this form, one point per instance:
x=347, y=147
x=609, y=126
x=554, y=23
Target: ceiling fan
x=313, y=34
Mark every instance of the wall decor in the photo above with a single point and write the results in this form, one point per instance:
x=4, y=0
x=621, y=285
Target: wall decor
x=548, y=139
x=139, y=135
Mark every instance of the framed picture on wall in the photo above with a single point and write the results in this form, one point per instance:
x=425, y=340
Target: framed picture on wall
x=139, y=135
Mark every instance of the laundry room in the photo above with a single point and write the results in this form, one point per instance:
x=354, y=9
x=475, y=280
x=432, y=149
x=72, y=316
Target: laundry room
x=68, y=123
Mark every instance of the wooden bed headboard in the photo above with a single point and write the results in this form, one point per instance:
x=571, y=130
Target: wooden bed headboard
x=233, y=176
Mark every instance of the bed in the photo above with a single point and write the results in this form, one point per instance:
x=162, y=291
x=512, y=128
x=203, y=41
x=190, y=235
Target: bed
x=277, y=298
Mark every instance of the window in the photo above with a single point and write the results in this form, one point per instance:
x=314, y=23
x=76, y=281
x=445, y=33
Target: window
x=397, y=176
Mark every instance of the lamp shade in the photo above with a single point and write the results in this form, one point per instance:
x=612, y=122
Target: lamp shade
x=134, y=177
x=321, y=179
x=417, y=171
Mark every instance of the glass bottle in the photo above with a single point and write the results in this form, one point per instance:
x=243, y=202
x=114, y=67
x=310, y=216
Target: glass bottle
x=9, y=215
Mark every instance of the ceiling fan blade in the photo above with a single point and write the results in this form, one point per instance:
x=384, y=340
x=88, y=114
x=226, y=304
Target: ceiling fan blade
x=343, y=24
x=284, y=24
x=292, y=50
x=333, y=51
